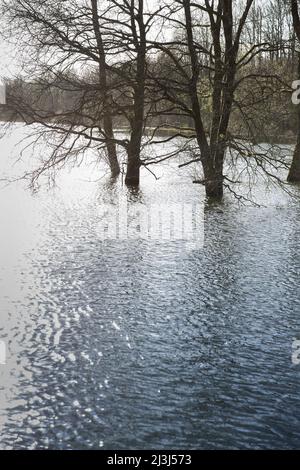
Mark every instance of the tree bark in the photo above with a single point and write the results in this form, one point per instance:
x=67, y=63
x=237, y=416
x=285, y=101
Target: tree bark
x=213, y=174
x=294, y=174
x=137, y=126
x=137, y=121
x=214, y=190
x=213, y=184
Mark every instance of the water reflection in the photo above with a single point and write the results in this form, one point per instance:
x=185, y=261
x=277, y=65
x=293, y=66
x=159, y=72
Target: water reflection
x=146, y=344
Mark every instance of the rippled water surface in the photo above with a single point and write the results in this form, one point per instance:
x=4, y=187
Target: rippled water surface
x=147, y=344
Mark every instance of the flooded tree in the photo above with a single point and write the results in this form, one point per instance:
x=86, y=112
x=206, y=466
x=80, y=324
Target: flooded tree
x=294, y=174
x=93, y=55
x=105, y=98
x=219, y=81
x=112, y=76
x=131, y=25
x=63, y=44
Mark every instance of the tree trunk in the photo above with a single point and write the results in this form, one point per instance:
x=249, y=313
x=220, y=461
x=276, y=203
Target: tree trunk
x=213, y=173
x=137, y=126
x=137, y=121
x=107, y=117
x=214, y=188
x=111, y=149
x=294, y=174
x=133, y=171
x=110, y=145
x=133, y=161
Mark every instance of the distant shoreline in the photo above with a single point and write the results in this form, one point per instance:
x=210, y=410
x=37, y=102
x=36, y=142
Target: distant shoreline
x=172, y=131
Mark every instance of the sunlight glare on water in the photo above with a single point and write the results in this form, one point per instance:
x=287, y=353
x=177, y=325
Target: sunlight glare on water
x=146, y=343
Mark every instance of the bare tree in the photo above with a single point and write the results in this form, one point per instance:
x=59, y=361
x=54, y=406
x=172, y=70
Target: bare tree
x=90, y=80
x=223, y=66
x=63, y=42
x=130, y=29
x=211, y=83
x=294, y=174
x=105, y=98
x=66, y=43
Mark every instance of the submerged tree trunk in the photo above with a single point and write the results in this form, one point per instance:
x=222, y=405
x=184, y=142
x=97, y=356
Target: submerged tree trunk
x=214, y=188
x=213, y=150
x=212, y=153
x=137, y=127
x=214, y=179
x=213, y=165
x=137, y=122
x=105, y=97
x=294, y=173
x=111, y=149
x=133, y=160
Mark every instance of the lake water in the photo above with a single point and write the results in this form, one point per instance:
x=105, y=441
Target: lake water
x=146, y=343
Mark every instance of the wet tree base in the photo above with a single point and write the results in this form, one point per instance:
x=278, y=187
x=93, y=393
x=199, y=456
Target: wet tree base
x=294, y=174
x=133, y=174
x=132, y=180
